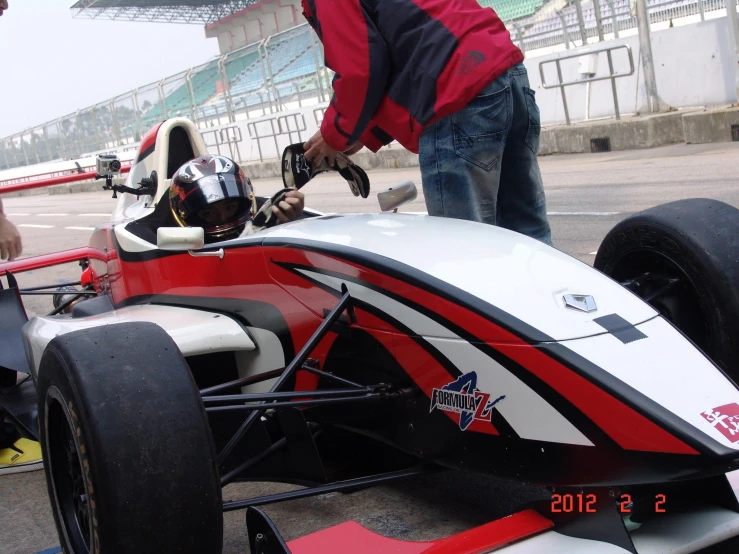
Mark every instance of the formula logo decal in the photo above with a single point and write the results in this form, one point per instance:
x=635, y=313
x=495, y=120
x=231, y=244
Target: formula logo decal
x=463, y=397
x=725, y=419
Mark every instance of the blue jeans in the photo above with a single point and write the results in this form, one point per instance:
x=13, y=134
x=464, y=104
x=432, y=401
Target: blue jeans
x=480, y=163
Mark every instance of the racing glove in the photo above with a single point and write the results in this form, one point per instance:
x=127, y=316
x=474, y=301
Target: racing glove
x=297, y=171
x=265, y=217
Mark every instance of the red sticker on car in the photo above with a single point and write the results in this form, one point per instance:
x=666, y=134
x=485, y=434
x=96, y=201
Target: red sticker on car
x=726, y=419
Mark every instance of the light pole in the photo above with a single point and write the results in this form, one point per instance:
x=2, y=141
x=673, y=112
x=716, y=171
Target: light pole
x=647, y=59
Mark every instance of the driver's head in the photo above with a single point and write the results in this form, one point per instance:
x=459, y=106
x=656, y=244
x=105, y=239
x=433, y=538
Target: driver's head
x=214, y=193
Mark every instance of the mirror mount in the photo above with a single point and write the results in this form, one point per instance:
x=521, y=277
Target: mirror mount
x=218, y=253
x=180, y=238
x=395, y=197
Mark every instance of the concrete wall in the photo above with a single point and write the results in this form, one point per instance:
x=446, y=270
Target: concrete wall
x=693, y=66
x=225, y=41
x=255, y=23
x=238, y=35
x=287, y=17
x=253, y=30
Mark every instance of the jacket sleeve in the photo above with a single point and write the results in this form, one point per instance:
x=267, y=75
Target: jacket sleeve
x=358, y=55
x=375, y=138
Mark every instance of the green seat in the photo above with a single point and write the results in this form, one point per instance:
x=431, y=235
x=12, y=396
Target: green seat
x=511, y=10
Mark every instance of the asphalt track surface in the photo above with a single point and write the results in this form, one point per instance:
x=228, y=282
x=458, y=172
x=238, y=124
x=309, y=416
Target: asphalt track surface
x=587, y=195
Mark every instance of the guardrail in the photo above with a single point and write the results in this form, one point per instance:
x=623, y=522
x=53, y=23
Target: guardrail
x=612, y=76
x=228, y=136
x=291, y=126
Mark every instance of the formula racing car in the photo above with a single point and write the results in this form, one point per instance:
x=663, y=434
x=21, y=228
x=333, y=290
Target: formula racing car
x=340, y=351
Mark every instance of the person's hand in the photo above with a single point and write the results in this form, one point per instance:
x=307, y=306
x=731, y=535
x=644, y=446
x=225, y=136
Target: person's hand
x=10, y=238
x=354, y=148
x=317, y=149
x=291, y=207
x=3, y=6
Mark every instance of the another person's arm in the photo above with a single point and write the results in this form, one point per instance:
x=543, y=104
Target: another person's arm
x=10, y=238
x=357, y=53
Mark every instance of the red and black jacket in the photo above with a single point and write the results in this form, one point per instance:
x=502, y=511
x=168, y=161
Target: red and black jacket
x=402, y=64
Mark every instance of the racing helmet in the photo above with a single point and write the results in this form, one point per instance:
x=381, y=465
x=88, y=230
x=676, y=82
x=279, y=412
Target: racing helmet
x=214, y=193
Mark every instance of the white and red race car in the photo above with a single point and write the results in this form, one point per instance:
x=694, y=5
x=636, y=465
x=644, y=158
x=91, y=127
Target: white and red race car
x=341, y=351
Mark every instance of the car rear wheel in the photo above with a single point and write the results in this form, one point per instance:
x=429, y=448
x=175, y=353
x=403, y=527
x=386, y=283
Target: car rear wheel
x=683, y=259
x=131, y=465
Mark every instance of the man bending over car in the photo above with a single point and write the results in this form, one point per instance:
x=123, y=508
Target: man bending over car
x=444, y=79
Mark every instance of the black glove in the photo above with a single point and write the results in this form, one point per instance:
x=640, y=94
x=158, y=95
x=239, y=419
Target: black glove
x=297, y=171
x=265, y=217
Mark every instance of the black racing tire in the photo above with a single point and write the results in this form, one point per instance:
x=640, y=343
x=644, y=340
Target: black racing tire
x=694, y=243
x=129, y=457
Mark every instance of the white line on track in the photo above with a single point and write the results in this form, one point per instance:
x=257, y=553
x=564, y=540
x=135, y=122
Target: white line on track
x=16, y=215
x=583, y=213
x=94, y=215
x=548, y=213
x=35, y=226
x=81, y=228
x=52, y=215
x=593, y=254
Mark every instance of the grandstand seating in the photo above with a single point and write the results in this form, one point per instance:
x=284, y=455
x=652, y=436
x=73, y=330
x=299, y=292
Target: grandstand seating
x=510, y=10
x=289, y=52
x=203, y=85
x=236, y=65
x=303, y=65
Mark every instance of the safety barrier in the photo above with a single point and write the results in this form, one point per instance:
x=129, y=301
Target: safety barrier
x=292, y=126
x=228, y=136
x=612, y=76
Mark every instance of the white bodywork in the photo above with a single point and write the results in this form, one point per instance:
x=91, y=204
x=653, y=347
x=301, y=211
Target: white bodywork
x=129, y=206
x=528, y=280
x=517, y=274
x=194, y=331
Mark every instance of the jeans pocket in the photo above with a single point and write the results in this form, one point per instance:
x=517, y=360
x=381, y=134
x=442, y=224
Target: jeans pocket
x=480, y=128
x=534, y=128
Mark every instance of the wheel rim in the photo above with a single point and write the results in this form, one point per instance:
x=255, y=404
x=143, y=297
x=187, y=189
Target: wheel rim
x=70, y=490
x=662, y=283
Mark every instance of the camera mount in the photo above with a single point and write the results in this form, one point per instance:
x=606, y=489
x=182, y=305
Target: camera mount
x=108, y=165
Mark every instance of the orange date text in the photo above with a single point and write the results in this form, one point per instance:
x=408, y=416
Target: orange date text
x=587, y=503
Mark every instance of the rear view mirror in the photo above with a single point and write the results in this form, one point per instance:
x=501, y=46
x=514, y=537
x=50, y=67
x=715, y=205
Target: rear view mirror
x=180, y=238
x=394, y=197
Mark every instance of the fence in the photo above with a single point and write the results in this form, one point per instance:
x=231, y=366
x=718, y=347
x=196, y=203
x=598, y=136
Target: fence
x=567, y=23
x=286, y=72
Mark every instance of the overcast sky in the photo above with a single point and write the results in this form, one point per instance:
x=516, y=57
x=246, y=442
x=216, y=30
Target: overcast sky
x=52, y=65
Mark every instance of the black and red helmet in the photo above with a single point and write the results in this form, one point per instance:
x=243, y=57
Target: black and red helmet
x=214, y=193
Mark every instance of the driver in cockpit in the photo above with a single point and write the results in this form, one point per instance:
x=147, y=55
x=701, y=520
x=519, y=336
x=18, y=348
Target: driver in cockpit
x=214, y=193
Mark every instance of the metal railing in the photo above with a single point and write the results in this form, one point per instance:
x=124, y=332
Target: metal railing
x=612, y=75
x=227, y=137
x=577, y=21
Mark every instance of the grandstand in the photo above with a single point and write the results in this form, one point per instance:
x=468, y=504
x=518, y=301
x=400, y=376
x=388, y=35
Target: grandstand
x=511, y=10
